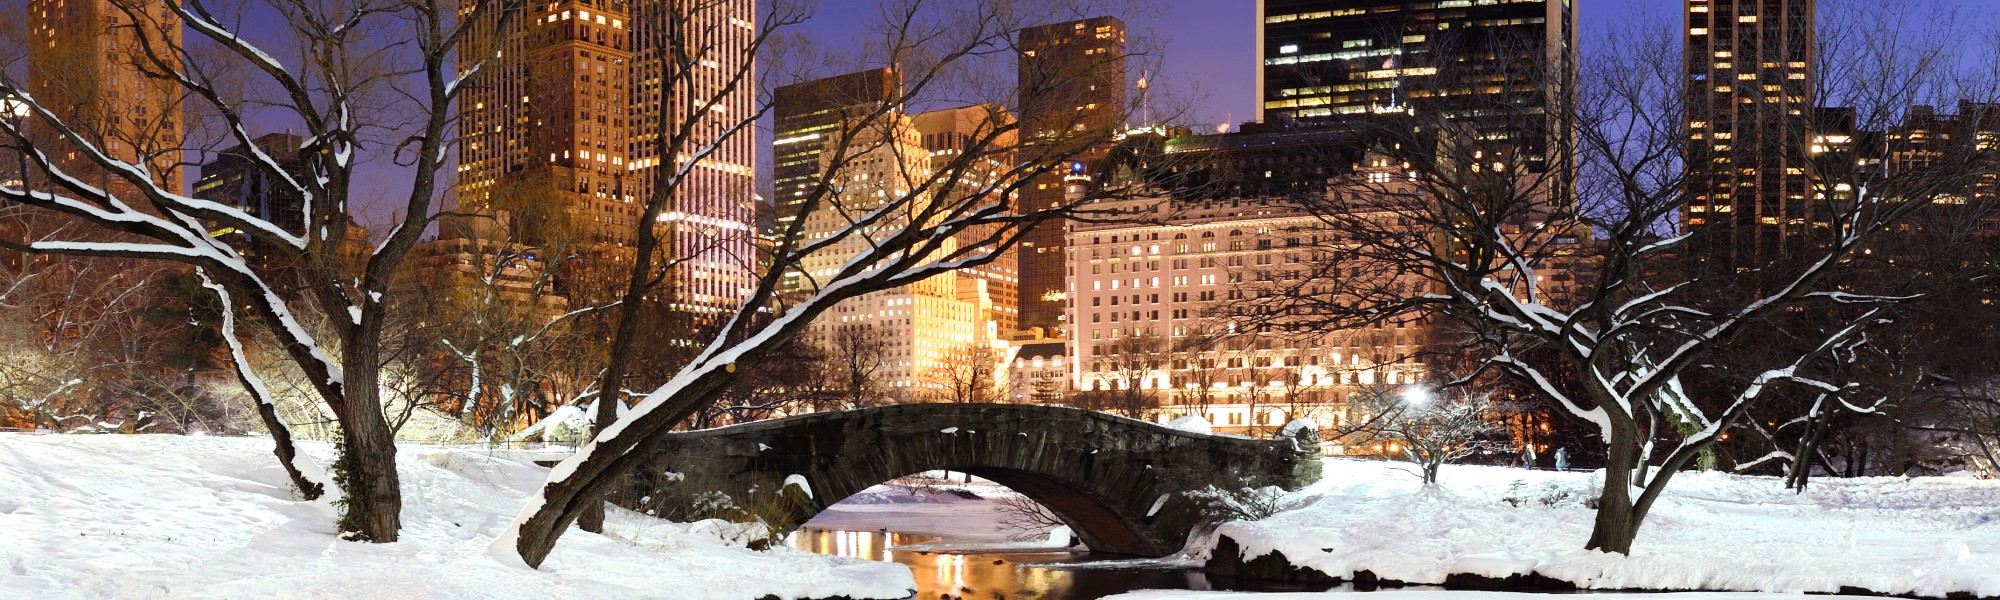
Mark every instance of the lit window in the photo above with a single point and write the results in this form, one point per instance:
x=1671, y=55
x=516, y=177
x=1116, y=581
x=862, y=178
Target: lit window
x=1288, y=48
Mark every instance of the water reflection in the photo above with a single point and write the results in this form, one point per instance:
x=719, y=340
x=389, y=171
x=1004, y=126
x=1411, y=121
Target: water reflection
x=995, y=576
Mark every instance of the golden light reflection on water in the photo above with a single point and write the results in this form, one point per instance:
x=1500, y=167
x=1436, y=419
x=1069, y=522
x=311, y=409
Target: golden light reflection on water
x=988, y=576
x=939, y=575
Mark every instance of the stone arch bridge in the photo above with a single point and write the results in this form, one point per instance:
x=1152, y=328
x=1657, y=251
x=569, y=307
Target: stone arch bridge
x=1119, y=483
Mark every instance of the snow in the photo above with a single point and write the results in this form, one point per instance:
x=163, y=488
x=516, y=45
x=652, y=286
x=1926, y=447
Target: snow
x=160, y=516
x=1293, y=427
x=566, y=422
x=966, y=518
x=1709, y=531
x=1192, y=424
x=1061, y=537
x=796, y=479
x=1404, y=594
x=933, y=511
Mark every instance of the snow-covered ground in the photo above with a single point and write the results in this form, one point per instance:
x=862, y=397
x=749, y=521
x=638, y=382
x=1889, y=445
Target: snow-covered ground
x=962, y=524
x=1396, y=594
x=1710, y=531
x=191, y=517
x=936, y=512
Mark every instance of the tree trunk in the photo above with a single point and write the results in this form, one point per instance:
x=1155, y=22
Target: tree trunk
x=366, y=469
x=592, y=517
x=1801, y=472
x=281, y=437
x=1617, y=524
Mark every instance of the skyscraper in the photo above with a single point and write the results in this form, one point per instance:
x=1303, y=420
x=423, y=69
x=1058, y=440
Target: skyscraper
x=805, y=117
x=710, y=223
x=1072, y=79
x=87, y=61
x=232, y=179
x=946, y=135
x=1749, y=106
x=1484, y=64
x=545, y=121
x=570, y=108
x=923, y=329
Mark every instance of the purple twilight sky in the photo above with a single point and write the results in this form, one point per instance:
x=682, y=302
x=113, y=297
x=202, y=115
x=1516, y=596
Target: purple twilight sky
x=1209, y=55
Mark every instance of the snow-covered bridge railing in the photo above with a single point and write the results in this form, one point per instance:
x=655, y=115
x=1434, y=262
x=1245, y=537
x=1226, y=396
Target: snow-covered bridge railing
x=1121, y=484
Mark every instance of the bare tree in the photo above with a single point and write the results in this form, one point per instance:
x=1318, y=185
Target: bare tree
x=856, y=356
x=1026, y=519
x=84, y=348
x=1131, y=376
x=1429, y=428
x=1484, y=223
x=968, y=374
x=799, y=378
x=351, y=74
x=503, y=326
x=1194, y=358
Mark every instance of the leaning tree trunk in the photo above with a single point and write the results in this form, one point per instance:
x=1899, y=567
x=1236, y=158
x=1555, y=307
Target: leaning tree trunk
x=373, y=496
x=287, y=452
x=1802, y=463
x=267, y=406
x=615, y=366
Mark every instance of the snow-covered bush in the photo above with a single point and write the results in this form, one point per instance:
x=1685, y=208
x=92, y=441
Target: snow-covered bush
x=1246, y=503
x=1553, y=494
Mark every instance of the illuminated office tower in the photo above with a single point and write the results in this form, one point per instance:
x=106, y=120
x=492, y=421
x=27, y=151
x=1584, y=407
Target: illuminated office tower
x=546, y=119
x=1749, y=106
x=87, y=61
x=1076, y=73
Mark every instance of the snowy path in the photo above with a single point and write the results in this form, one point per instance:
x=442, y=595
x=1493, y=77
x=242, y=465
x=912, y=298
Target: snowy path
x=189, y=517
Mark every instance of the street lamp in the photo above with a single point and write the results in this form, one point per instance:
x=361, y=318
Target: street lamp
x=1416, y=395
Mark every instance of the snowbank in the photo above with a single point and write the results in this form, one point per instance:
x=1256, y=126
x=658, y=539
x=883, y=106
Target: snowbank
x=1710, y=531
x=191, y=517
x=1192, y=424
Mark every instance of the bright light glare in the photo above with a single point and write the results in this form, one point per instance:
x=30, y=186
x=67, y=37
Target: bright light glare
x=1416, y=396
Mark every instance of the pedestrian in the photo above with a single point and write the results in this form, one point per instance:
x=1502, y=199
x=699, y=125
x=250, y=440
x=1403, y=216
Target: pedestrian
x=1528, y=458
x=1562, y=459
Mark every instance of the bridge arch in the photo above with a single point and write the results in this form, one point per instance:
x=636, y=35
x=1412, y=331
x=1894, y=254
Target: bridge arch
x=1121, y=484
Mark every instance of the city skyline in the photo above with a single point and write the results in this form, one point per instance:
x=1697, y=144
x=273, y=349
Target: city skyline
x=1211, y=49
x=1290, y=295
x=1210, y=56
